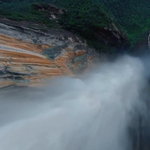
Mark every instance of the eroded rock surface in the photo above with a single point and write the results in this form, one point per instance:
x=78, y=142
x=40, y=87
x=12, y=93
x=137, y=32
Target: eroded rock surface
x=29, y=57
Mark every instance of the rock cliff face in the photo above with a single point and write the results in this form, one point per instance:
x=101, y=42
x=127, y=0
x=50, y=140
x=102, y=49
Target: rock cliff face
x=29, y=57
x=112, y=36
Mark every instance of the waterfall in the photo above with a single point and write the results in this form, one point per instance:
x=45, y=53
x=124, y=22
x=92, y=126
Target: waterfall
x=95, y=112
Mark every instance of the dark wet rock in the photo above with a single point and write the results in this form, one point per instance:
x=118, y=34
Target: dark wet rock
x=53, y=52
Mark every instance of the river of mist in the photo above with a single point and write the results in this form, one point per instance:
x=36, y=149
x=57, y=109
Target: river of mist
x=103, y=110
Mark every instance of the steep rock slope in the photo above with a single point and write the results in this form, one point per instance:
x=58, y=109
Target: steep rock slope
x=30, y=56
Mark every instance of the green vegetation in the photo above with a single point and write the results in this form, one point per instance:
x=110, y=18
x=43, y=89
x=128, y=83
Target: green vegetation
x=81, y=16
x=22, y=10
x=132, y=15
x=84, y=16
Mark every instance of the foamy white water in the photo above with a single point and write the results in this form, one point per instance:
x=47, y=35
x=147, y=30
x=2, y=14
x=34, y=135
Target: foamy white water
x=74, y=114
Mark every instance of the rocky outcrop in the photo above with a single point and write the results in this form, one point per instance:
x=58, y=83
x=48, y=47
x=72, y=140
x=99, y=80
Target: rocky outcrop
x=111, y=35
x=53, y=11
x=29, y=57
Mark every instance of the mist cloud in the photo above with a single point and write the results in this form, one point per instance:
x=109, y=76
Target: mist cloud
x=92, y=113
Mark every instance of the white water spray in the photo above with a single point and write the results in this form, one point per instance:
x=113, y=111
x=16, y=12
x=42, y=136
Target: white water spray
x=74, y=114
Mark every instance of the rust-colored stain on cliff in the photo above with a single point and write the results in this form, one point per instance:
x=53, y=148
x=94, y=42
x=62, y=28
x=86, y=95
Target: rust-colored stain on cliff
x=15, y=43
x=28, y=64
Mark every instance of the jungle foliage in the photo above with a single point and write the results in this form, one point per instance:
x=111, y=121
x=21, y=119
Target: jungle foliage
x=82, y=16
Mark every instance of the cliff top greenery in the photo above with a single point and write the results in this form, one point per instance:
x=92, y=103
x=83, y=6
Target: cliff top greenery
x=132, y=16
